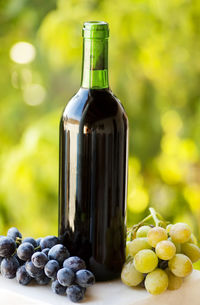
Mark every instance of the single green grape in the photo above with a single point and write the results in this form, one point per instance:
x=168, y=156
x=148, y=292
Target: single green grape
x=145, y=261
x=180, y=265
x=165, y=249
x=177, y=245
x=180, y=232
x=156, y=281
x=174, y=282
x=130, y=276
x=169, y=227
x=192, y=251
x=142, y=231
x=155, y=235
x=134, y=246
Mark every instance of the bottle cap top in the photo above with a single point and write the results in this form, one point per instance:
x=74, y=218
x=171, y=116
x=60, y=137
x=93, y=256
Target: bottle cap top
x=95, y=29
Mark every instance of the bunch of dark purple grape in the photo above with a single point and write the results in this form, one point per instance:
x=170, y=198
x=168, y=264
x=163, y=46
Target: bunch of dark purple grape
x=44, y=260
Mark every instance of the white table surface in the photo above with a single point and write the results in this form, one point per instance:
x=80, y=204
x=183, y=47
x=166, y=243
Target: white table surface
x=107, y=293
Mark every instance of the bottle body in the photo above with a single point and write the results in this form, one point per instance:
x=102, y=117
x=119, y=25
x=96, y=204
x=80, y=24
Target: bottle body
x=93, y=180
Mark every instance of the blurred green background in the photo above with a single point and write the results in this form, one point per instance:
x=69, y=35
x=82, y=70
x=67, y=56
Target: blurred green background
x=154, y=64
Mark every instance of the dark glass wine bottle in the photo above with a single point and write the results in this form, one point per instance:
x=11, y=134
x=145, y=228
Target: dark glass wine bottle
x=93, y=164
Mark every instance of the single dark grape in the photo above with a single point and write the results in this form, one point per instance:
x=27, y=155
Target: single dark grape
x=57, y=288
x=46, y=251
x=32, y=270
x=39, y=259
x=38, y=240
x=85, y=278
x=65, y=276
x=22, y=276
x=7, y=246
x=42, y=279
x=59, y=253
x=30, y=240
x=75, y=263
x=25, y=251
x=49, y=242
x=9, y=267
x=75, y=293
x=162, y=264
x=51, y=269
x=14, y=233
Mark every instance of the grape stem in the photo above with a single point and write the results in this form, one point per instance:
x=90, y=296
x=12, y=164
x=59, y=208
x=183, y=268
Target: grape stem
x=18, y=239
x=159, y=222
x=37, y=248
x=155, y=216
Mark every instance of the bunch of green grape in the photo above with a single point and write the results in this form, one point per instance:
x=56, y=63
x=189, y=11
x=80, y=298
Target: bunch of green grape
x=160, y=256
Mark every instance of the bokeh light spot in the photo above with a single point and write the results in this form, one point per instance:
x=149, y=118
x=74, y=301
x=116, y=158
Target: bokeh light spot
x=192, y=195
x=171, y=170
x=170, y=144
x=171, y=122
x=22, y=52
x=34, y=94
x=188, y=151
x=138, y=200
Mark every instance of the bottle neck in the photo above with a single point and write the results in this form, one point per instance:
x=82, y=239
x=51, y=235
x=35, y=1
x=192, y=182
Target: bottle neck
x=95, y=63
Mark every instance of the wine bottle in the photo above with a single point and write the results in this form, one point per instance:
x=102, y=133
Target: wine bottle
x=93, y=164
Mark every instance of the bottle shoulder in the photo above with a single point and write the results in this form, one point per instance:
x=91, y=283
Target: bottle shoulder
x=75, y=106
x=91, y=105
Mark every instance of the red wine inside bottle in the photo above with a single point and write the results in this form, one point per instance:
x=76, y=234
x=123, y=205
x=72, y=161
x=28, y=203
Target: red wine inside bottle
x=93, y=164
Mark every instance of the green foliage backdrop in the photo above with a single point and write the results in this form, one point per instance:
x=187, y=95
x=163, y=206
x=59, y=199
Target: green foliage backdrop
x=154, y=70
